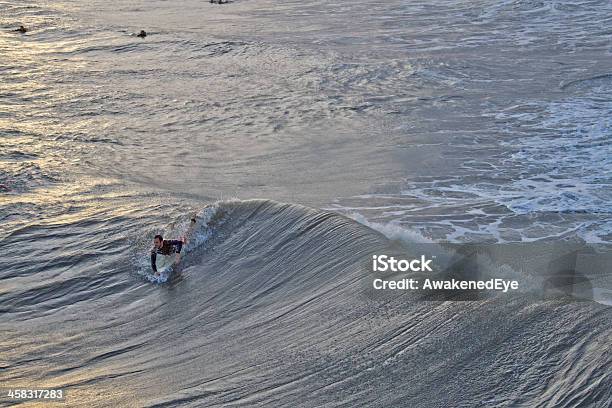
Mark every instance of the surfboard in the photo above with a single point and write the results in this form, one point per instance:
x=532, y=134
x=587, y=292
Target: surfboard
x=164, y=262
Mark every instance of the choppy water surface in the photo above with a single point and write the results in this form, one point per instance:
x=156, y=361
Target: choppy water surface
x=480, y=121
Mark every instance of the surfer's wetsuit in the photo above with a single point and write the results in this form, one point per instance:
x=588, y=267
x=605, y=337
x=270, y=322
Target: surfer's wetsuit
x=169, y=246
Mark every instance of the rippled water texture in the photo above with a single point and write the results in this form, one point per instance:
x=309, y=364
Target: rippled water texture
x=463, y=121
x=460, y=121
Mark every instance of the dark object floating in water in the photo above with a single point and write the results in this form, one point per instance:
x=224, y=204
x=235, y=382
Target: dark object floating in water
x=142, y=34
x=218, y=1
x=21, y=29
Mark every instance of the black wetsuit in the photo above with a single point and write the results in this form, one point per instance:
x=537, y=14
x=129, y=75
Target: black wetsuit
x=169, y=246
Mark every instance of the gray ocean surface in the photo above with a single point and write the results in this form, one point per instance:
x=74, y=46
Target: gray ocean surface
x=309, y=134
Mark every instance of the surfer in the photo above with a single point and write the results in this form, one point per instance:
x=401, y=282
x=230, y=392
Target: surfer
x=142, y=34
x=21, y=29
x=165, y=247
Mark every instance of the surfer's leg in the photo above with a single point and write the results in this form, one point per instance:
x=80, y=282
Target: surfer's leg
x=189, y=233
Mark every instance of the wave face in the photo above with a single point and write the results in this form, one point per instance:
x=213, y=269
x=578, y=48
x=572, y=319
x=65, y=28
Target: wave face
x=270, y=308
x=492, y=126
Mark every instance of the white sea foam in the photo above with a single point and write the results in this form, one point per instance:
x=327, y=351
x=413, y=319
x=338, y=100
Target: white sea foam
x=391, y=230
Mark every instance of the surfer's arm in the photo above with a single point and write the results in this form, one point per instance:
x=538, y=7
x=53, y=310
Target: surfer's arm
x=153, y=258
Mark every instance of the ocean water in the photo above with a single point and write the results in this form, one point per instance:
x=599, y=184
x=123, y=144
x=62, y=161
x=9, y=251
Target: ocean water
x=306, y=135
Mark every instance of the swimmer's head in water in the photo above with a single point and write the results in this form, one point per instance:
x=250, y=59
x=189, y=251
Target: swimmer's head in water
x=142, y=34
x=158, y=241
